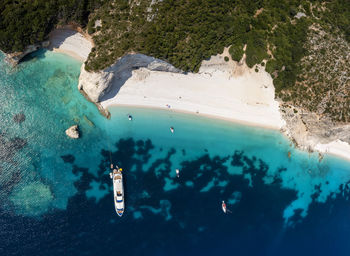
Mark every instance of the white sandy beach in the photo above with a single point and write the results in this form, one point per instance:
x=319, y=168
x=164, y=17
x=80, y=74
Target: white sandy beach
x=71, y=43
x=216, y=91
x=337, y=148
x=221, y=89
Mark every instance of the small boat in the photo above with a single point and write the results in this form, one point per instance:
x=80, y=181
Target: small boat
x=178, y=173
x=118, y=190
x=223, y=205
x=172, y=129
x=130, y=117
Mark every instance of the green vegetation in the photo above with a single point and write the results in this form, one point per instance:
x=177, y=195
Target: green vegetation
x=288, y=40
x=323, y=86
x=24, y=22
x=236, y=51
x=256, y=47
x=185, y=32
x=338, y=14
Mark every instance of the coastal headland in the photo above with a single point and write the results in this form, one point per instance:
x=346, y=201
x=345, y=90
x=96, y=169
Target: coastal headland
x=222, y=89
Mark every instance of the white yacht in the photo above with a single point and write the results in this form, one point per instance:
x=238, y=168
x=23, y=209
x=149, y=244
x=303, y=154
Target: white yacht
x=118, y=189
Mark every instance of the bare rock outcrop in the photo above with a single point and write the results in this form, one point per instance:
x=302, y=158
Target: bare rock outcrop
x=73, y=132
x=105, y=84
x=15, y=58
x=307, y=129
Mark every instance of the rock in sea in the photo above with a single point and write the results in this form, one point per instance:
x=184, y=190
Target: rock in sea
x=73, y=132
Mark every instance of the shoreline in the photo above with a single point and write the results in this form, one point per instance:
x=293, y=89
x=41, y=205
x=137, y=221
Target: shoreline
x=69, y=53
x=204, y=115
x=70, y=41
x=144, y=89
x=221, y=89
x=338, y=149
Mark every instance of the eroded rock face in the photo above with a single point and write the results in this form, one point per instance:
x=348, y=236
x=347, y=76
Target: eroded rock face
x=15, y=58
x=307, y=129
x=95, y=84
x=106, y=83
x=73, y=132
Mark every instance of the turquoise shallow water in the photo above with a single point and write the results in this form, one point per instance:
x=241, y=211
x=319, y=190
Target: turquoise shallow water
x=50, y=182
x=43, y=89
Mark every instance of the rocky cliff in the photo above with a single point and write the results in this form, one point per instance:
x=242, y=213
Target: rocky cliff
x=99, y=86
x=307, y=129
x=15, y=58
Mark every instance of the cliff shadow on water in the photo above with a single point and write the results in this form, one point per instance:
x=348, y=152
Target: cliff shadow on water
x=166, y=215
x=36, y=55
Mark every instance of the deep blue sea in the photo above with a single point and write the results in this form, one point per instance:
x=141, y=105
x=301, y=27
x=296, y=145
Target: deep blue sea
x=56, y=194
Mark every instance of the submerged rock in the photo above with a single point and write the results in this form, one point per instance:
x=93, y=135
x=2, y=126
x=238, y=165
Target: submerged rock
x=68, y=158
x=18, y=143
x=9, y=147
x=89, y=122
x=73, y=132
x=19, y=118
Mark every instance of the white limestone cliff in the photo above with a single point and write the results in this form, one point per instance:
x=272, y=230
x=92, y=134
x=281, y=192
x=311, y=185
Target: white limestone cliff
x=106, y=83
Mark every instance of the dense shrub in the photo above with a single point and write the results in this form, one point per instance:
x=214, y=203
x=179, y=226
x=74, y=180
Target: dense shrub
x=236, y=51
x=25, y=22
